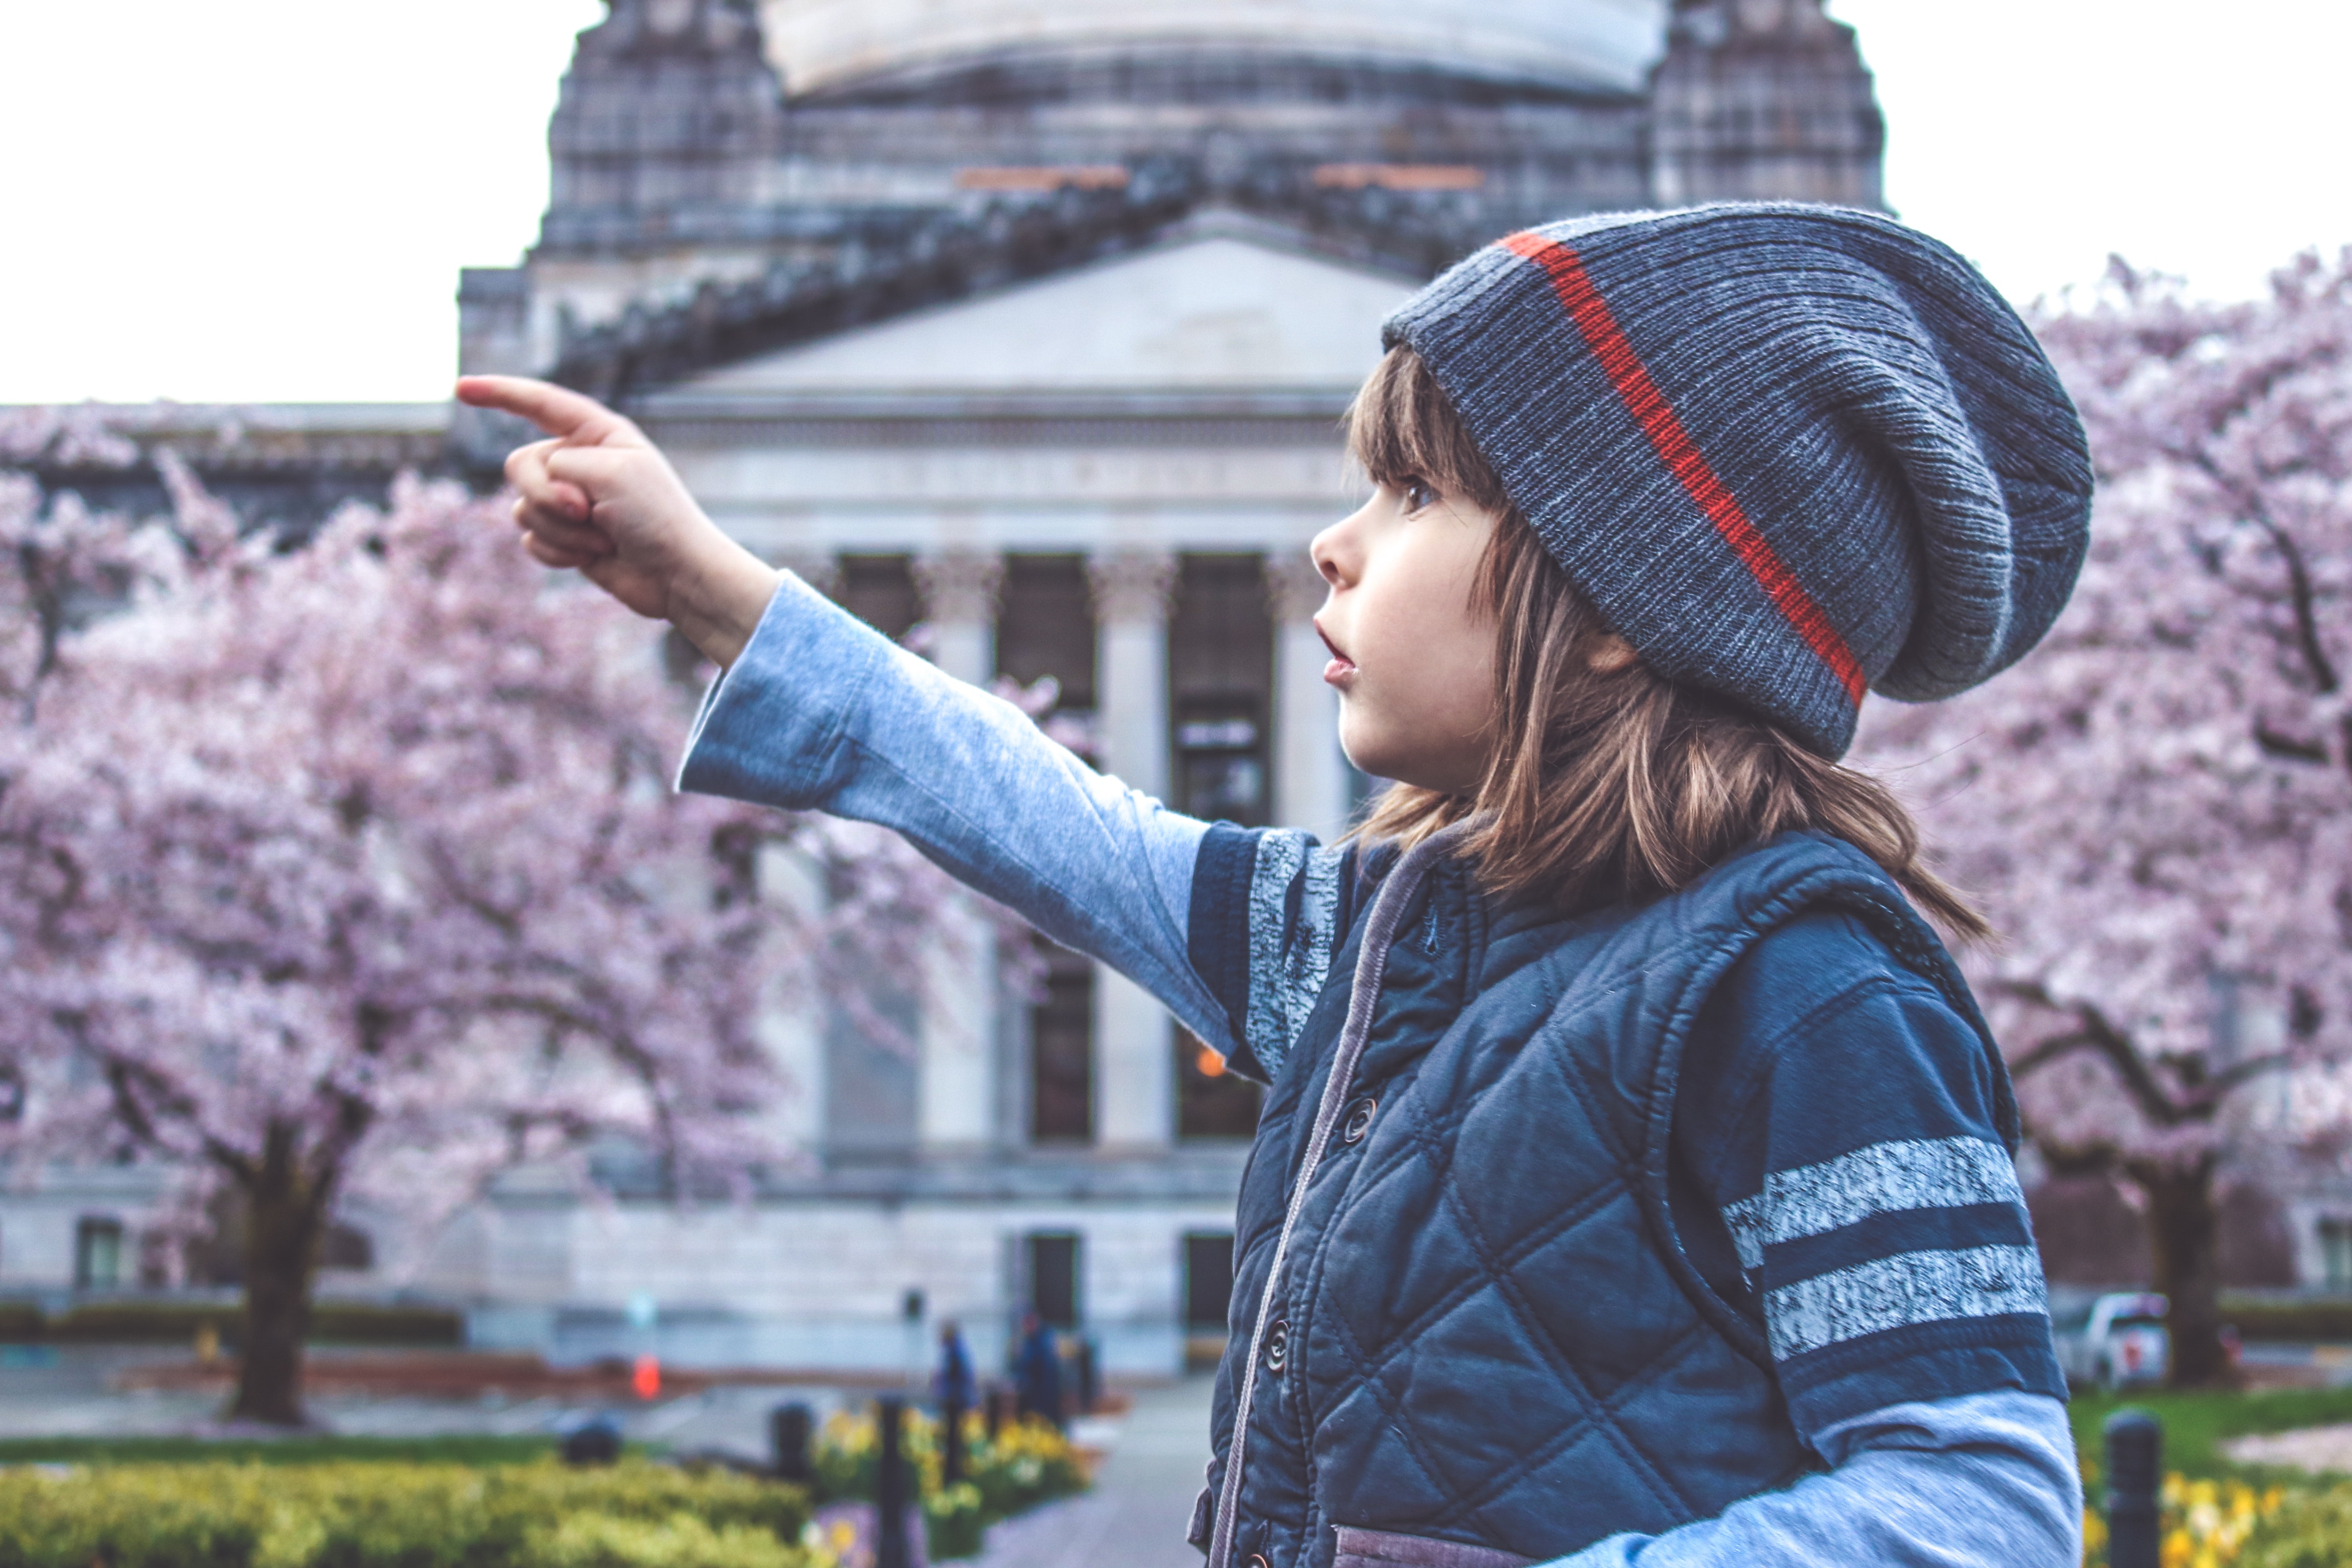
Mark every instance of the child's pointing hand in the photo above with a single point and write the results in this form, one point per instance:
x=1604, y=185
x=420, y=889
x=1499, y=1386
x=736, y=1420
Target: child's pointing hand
x=601, y=497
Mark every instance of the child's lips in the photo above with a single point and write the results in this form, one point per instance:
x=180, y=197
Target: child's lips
x=1341, y=667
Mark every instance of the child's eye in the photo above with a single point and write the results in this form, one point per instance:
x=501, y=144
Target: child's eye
x=1416, y=494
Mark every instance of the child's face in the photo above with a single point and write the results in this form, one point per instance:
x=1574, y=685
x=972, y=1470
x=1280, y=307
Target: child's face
x=1413, y=657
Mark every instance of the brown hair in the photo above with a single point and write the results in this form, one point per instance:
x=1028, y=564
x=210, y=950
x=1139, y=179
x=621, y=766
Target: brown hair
x=1604, y=785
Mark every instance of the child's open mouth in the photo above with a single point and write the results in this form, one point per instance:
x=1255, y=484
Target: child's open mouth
x=1342, y=667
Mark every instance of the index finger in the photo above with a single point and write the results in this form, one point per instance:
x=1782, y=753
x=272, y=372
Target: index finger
x=558, y=410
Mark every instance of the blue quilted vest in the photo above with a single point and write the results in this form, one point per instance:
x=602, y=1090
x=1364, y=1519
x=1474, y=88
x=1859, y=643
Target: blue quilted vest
x=1486, y=1344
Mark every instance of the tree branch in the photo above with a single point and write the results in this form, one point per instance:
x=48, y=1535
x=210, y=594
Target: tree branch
x=2094, y=1032
x=2300, y=595
x=2246, y=1071
x=123, y=1079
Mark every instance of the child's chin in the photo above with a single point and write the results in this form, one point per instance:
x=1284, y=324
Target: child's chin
x=1366, y=753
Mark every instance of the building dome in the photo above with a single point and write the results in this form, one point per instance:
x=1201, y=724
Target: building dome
x=1600, y=46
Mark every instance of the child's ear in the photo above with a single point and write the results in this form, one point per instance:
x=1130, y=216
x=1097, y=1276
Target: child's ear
x=1610, y=655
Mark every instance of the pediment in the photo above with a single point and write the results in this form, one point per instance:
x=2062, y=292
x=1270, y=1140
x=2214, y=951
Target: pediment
x=1209, y=313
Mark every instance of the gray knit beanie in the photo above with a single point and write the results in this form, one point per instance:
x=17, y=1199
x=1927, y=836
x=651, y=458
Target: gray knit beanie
x=1790, y=453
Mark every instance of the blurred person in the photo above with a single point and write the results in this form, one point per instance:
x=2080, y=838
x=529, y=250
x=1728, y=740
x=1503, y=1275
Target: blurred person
x=1037, y=1369
x=953, y=1382
x=1635, y=1182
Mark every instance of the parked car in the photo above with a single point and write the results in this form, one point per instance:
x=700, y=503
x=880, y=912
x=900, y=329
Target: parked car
x=2114, y=1341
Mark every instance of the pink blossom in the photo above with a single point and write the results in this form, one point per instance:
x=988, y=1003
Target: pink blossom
x=2156, y=807
x=371, y=846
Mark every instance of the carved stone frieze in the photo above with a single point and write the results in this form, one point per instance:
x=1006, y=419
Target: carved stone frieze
x=1132, y=584
x=959, y=588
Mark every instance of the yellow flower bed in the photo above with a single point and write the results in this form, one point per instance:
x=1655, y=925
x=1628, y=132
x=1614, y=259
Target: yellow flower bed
x=2206, y=1525
x=1029, y=1463
x=382, y=1515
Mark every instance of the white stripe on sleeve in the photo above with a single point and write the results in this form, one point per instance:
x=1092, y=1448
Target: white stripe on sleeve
x=1899, y=1291
x=1884, y=1178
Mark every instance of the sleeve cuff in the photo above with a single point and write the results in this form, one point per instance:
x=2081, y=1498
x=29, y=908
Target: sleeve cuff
x=1921, y=1365
x=770, y=728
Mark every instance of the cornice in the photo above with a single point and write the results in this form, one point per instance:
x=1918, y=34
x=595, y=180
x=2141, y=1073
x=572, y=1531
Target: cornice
x=888, y=266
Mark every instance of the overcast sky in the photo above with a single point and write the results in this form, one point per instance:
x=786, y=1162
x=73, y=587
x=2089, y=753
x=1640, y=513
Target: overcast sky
x=269, y=200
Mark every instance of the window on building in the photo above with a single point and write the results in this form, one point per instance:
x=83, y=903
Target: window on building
x=1045, y=627
x=1208, y=1280
x=1062, y=1052
x=872, y=1082
x=98, y=1254
x=2336, y=1252
x=1221, y=687
x=880, y=591
x=1210, y=1102
x=872, y=1086
x=1052, y=1277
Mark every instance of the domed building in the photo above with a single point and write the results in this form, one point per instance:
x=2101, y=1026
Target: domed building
x=1031, y=322
x=731, y=177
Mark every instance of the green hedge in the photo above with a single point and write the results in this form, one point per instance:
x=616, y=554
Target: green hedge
x=471, y=1449
x=176, y=1322
x=632, y=1515
x=2295, y=1321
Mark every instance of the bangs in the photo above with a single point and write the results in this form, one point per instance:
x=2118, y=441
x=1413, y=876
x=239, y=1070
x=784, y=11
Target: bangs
x=1402, y=428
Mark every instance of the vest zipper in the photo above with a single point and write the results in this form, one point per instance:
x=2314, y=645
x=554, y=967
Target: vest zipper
x=1363, y=996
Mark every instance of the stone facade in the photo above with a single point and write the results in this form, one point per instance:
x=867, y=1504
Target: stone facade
x=702, y=211
x=1034, y=324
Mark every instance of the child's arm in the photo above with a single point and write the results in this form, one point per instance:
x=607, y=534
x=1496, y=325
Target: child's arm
x=816, y=709
x=1840, y=1116
x=1988, y=1480
x=822, y=711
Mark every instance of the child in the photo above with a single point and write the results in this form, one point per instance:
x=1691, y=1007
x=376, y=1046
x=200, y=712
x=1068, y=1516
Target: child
x=1633, y=1184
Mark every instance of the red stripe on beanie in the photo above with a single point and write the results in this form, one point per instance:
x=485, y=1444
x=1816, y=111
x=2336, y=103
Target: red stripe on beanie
x=1681, y=455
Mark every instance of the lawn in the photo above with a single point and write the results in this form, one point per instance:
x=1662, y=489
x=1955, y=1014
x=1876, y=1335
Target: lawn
x=483, y=1450
x=2196, y=1422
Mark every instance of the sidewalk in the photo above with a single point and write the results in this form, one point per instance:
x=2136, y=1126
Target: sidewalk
x=77, y=1392
x=1136, y=1515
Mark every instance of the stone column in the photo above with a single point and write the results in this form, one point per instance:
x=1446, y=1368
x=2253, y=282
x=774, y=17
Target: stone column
x=956, y=1097
x=959, y=589
x=1310, y=773
x=1134, y=1064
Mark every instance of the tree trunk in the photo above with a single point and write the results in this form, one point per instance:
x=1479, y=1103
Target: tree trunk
x=284, y=1224
x=2184, y=1235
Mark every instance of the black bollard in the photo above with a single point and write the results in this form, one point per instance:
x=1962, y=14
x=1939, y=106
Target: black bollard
x=992, y=1417
x=890, y=1485
x=597, y=1441
x=2134, y=1472
x=790, y=1427
x=1089, y=1378
x=951, y=1441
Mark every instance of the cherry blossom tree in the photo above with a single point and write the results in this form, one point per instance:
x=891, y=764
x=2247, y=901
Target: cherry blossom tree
x=353, y=871
x=2156, y=807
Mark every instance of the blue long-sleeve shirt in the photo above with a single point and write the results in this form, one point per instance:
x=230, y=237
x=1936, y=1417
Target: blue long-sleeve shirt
x=1841, y=1153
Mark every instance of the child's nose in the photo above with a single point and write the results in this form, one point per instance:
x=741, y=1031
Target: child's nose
x=1327, y=550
